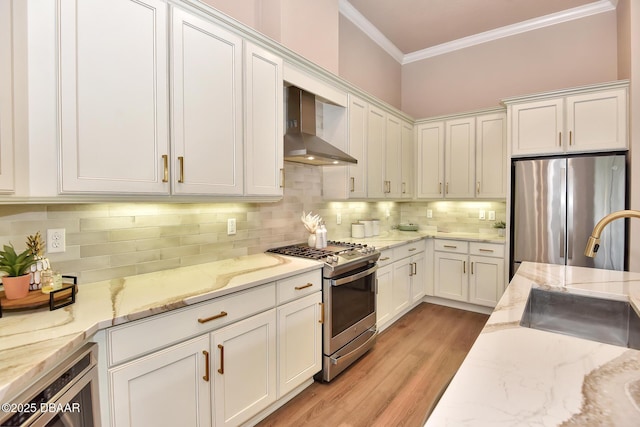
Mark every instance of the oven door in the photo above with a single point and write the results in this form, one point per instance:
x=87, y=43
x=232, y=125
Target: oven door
x=350, y=302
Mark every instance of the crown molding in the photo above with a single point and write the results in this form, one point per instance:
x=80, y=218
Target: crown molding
x=349, y=12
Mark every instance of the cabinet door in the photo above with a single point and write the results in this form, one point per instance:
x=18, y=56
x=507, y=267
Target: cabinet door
x=207, y=107
x=165, y=388
x=244, y=368
x=486, y=282
x=408, y=161
x=451, y=276
x=384, y=304
x=299, y=342
x=491, y=156
x=401, y=290
x=376, y=134
x=460, y=158
x=358, y=130
x=6, y=99
x=264, y=110
x=597, y=121
x=393, y=157
x=113, y=96
x=430, y=176
x=536, y=127
x=418, y=277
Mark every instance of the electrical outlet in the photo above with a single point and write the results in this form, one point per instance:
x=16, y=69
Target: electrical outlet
x=231, y=226
x=492, y=215
x=338, y=218
x=56, y=240
x=481, y=216
x=429, y=213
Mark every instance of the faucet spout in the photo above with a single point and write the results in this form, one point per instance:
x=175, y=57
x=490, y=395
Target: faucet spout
x=593, y=243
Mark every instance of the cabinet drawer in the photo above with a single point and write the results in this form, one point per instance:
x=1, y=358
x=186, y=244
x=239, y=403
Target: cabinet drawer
x=299, y=286
x=455, y=246
x=408, y=249
x=386, y=257
x=144, y=336
x=486, y=249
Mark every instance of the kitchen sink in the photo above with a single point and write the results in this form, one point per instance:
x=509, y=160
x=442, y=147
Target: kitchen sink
x=597, y=319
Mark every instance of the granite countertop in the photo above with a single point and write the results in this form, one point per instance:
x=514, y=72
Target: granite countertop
x=33, y=342
x=515, y=375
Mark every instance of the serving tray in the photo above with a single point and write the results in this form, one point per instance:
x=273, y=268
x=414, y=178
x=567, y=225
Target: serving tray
x=59, y=298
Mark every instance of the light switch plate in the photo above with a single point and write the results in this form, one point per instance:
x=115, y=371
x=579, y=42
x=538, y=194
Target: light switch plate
x=338, y=218
x=481, y=216
x=231, y=226
x=492, y=215
x=429, y=213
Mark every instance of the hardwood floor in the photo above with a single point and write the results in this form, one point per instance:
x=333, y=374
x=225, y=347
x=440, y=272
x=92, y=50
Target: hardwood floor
x=396, y=383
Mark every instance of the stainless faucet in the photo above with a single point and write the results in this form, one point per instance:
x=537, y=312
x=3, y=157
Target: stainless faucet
x=594, y=240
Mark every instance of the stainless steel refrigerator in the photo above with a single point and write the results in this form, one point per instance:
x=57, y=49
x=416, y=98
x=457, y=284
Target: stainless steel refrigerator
x=557, y=201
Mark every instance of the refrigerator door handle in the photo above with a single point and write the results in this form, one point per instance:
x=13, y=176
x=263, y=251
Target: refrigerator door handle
x=563, y=204
x=569, y=215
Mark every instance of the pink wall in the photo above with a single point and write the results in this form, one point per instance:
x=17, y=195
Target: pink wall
x=366, y=65
x=571, y=54
x=245, y=11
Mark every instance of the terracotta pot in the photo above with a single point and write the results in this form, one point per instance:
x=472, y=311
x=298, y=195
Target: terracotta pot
x=16, y=287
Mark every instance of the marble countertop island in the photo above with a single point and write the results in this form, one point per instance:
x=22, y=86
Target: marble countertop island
x=31, y=343
x=517, y=376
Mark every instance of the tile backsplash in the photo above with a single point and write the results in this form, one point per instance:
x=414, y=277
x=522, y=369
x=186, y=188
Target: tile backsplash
x=110, y=240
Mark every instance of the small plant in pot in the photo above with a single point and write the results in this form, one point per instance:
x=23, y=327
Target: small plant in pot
x=16, y=282
x=500, y=226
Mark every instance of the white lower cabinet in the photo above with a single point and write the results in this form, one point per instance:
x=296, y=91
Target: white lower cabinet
x=243, y=352
x=401, y=281
x=469, y=271
x=299, y=342
x=165, y=388
x=244, y=368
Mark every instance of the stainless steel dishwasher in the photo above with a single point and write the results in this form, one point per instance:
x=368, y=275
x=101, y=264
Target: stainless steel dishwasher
x=65, y=397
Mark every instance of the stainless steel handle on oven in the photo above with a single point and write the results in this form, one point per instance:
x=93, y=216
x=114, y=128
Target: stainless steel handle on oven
x=355, y=277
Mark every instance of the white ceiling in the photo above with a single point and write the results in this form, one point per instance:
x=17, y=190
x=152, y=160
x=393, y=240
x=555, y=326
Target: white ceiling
x=410, y=30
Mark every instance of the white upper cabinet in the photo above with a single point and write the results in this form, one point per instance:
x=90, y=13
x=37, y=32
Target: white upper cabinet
x=376, y=134
x=358, y=146
x=207, y=107
x=393, y=157
x=430, y=144
x=408, y=161
x=113, y=96
x=459, y=158
x=573, y=120
x=491, y=156
x=6, y=99
x=264, y=129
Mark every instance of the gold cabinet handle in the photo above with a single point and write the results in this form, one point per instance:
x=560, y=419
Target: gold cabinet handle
x=412, y=249
x=559, y=139
x=321, y=313
x=464, y=267
x=447, y=189
x=451, y=246
x=221, y=368
x=439, y=188
x=570, y=137
x=415, y=268
x=472, y=268
x=165, y=162
x=485, y=250
x=478, y=188
x=206, y=365
x=404, y=188
x=282, y=178
x=353, y=184
x=384, y=259
x=214, y=317
x=308, y=285
x=181, y=164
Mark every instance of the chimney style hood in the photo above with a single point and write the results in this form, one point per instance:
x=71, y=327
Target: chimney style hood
x=301, y=144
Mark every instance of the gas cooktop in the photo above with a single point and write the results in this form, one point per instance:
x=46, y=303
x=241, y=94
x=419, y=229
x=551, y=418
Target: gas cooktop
x=339, y=257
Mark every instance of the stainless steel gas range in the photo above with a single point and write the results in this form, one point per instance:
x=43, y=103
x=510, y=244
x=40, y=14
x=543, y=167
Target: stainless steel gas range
x=349, y=300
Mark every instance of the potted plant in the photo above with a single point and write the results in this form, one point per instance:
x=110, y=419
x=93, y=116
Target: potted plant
x=500, y=226
x=16, y=282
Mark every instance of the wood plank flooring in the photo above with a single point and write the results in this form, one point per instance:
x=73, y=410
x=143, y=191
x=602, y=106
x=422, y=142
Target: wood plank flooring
x=397, y=382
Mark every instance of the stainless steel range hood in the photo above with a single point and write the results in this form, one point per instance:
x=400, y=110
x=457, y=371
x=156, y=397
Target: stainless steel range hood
x=301, y=144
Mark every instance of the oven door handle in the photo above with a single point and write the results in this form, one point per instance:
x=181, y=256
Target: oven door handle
x=349, y=279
